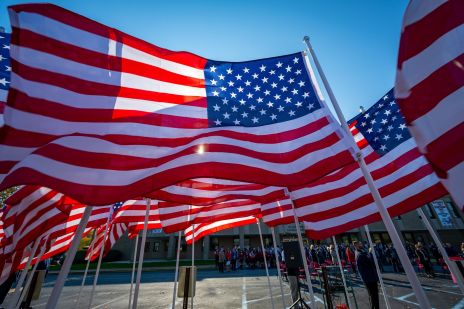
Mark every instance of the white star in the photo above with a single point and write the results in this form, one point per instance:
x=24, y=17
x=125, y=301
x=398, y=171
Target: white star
x=233, y=95
x=373, y=121
x=2, y=58
x=262, y=68
x=240, y=89
x=273, y=85
x=270, y=104
x=255, y=76
x=385, y=97
x=291, y=81
x=310, y=106
x=215, y=93
x=370, y=130
x=305, y=95
x=277, y=96
x=244, y=114
x=218, y=122
x=394, y=118
x=392, y=103
x=3, y=81
x=376, y=138
x=216, y=107
x=390, y=127
x=384, y=121
x=231, y=83
x=301, y=83
x=223, y=88
x=379, y=130
x=262, y=112
x=283, y=89
x=380, y=105
x=288, y=68
x=252, y=107
x=212, y=69
x=273, y=117
x=264, y=79
x=279, y=64
x=267, y=92
x=280, y=108
x=259, y=100
x=383, y=147
x=298, y=72
x=226, y=115
x=298, y=104
x=402, y=126
x=236, y=122
x=398, y=136
x=221, y=77
x=291, y=113
x=247, y=83
x=295, y=60
x=366, y=115
x=238, y=77
x=281, y=77
x=257, y=88
x=387, y=112
x=234, y=109
x=272, y=72
x=363, y=124
x=225, y=101
x=229, y=71
x=386, y=137
x=250, y=95
x=288, y=100
x=242, y=102
x=255, y=120
x=6, y=46
x=246, y=70
x=213, y=82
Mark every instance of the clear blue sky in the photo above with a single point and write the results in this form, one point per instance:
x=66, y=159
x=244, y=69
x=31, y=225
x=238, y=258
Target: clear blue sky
x=356, y=41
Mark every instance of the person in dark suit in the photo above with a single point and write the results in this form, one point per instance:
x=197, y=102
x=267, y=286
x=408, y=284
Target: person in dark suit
x=366, y=268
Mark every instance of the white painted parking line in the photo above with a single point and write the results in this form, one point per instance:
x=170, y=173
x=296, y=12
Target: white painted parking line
x=111, y=301
x=244, y=297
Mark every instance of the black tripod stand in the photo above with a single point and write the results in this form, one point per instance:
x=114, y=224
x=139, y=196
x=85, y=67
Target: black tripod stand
x=299, y=303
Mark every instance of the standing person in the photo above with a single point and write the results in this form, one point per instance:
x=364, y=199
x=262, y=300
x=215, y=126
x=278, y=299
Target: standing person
x=333, y=254
x=369, y=276
x=216, y=257
x=234, y=258
x=350, y=256
x=395, y=259
x=221, y=260
x=424, y=259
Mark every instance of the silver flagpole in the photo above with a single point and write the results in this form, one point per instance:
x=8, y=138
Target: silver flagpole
x=176, y=275
x=100, y=257
x=302, y=250
x=278, y=267
x=141, y=253
x=265, y=263
x=193, y=259
x=413, y=279
x=452, y=266
x=85, y=272
x=376, y=262
x=133, y=270
x=17, y=292
x=55, y=295
x=342, y=272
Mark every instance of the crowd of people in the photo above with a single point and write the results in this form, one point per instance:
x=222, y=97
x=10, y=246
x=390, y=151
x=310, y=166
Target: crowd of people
x=234, y=259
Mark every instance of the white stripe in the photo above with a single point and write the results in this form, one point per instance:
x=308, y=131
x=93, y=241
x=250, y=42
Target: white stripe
x=454, y=183
x=209, y=193
x=83, y=39
x=85, y=101
x=371, y=208
x=443, y=117
x=48, y=62
x=418, y=9
x=416, y=69
x=3, y=95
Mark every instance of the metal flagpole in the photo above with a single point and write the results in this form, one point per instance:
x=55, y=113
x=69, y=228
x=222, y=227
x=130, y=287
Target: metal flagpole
x=278, y=267
x=342, y=272
x=85, y=272
x=193, y=259
x=451, y=266
x=31, y=275
x=176, y=276
x=265, y=263
x=17, y=291
x=133, y=270
x=141, y=253
x=410, y=273
x=376, y=262
x=55, y=295
x=100, y=257
x=302, y=250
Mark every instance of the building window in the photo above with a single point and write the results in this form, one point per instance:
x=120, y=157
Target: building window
x=452, y=210
x=429, y=211
x=147, y=246
x=156, y=246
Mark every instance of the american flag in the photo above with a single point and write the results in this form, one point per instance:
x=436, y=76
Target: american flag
x=342, y=201
x=278, y=212
x=198, y=231
x=114, y=232
x=5, y=71
x=176, y=217
x=102, y=116
x=430, y=86
x=133, y=213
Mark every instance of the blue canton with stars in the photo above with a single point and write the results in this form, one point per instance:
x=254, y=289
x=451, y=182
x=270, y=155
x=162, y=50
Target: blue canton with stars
x=383, y=125
x=5, y=66
x=116, y=207
x=260, y=92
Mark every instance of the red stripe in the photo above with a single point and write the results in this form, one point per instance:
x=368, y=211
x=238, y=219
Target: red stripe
x=209, y=231
x=35, y=41
x=83, y=23
x=418, y=36
x=279, y=221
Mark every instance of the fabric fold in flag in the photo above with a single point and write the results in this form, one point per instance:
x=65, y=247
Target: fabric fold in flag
x=103, y=117
x=430, y=86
